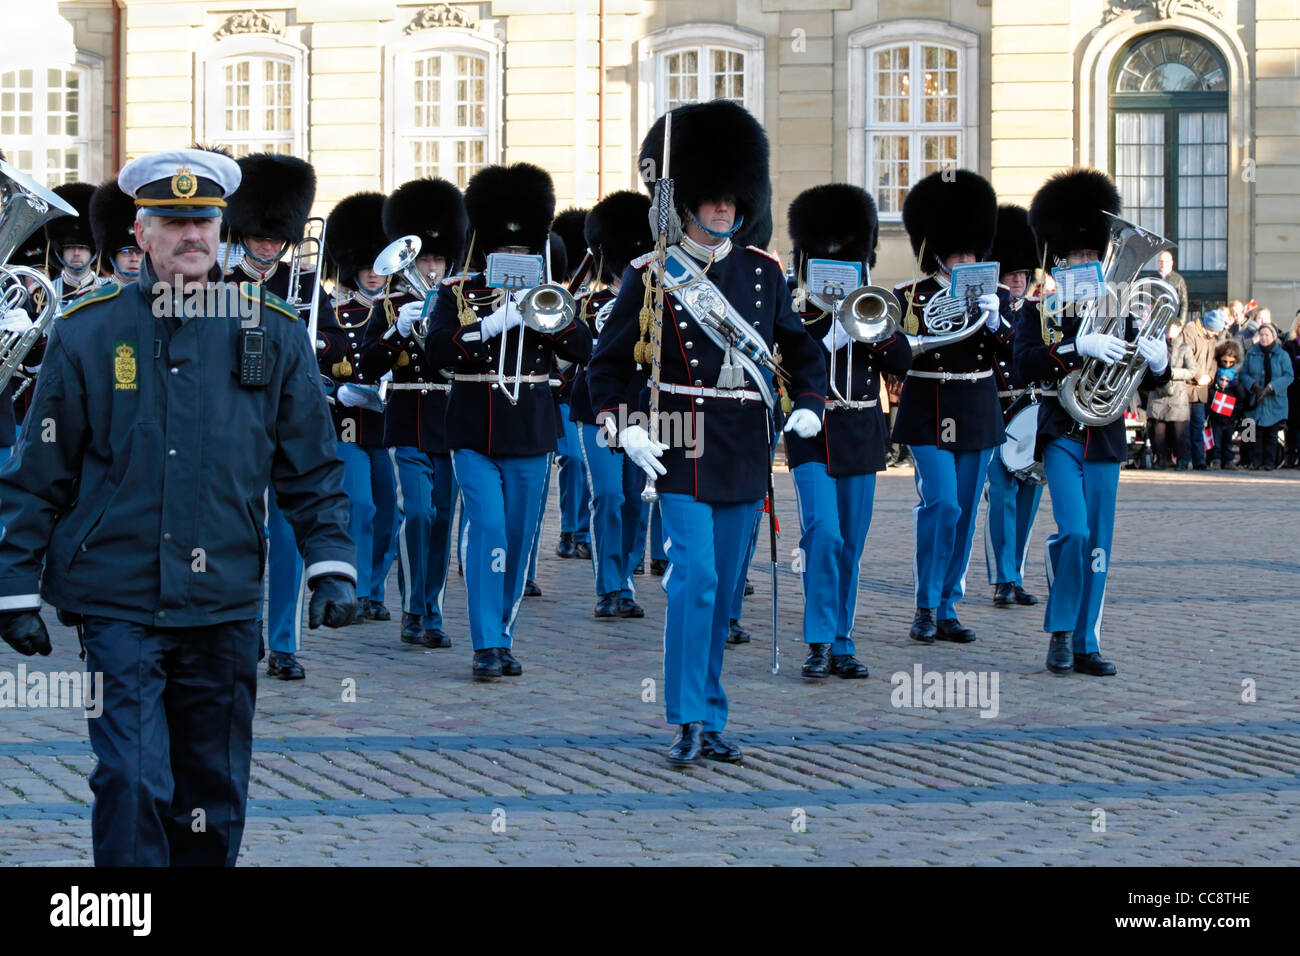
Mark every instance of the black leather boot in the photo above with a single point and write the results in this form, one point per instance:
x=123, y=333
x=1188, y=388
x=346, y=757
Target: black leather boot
x=564, y=549
x=361, y=612
x=1004, y=595
x=582, y=549
x=377, y=612
x=686, y=748
x=626, y=607
x=716, y=747
x=818, y=661
x=1024, y=597
x=509, y=666
x=1060, y=653
x=531, y=589
x=923, y=627
x=486, y=664
x=607, y=606
x=658, y=566
x=950, y=629
x=284, y=666
x=1093, y=665
x=848, y=667
x=436, y=638
x=412, y=628
x=737, y=634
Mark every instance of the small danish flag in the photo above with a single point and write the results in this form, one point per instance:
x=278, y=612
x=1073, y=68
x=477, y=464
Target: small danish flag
x=1223, y=403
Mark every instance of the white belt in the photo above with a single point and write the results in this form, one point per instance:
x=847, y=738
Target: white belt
x=536, y=378
x=740, y=393
x=952, y=376
x=418, y=387
x=855, y=405
x=1050, y=392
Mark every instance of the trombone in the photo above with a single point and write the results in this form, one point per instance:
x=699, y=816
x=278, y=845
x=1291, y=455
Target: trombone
x=869, y=314
x=547, y=308
x=398, y=257
x=308, y=255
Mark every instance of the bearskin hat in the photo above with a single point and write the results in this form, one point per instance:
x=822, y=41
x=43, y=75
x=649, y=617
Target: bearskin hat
x=559, y=259
x=355, y=235
x=834, y=221
x=112, y=219
x=1068, y=213
x=273, y=199
x=72, y=230
x=510, y=206
x=432, y=209
x=757, y=229
x=569, y=226
x=618, y=231
x=950, y=212
x=718, y=149
x=1013, y=244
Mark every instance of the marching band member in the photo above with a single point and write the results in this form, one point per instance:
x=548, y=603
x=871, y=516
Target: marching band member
x=501, y=449
x=1082, y=463
x=617, y=233
x=355, y=236
x=949, y=414
x=710, y=482
x=835, y=473
x=267, y=215
x=1012, y=501
x=575, y=494
x=414, y=419
x=112, y=222
x=71, y=241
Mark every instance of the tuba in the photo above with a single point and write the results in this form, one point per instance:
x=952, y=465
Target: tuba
x=1097, y=394
x=25, y=207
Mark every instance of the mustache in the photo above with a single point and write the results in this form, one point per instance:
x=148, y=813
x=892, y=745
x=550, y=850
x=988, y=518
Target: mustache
x=191, y=246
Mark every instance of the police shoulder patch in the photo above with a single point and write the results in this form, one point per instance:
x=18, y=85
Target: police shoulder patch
x=253, y=292
x=640, y=262
x=764, y=252
x=99, y=294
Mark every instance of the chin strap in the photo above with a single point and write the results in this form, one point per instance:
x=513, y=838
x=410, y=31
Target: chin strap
x=714, y=233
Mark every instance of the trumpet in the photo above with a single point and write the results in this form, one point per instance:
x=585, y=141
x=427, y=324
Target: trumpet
x=399, y=257
x=868, y=314
x=308, y=254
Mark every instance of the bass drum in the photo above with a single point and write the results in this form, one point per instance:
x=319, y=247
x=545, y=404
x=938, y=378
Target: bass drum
x=1021, y=435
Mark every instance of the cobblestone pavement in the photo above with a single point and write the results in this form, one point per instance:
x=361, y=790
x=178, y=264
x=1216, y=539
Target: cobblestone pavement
x=1166, y=763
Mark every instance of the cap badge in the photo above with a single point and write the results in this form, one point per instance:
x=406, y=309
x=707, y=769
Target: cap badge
x=184, y=183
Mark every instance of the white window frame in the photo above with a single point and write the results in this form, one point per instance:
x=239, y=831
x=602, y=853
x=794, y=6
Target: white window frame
x=91, y=140
x=398, y=57
x=652, y=50
x=862, y=46
x=212, y=95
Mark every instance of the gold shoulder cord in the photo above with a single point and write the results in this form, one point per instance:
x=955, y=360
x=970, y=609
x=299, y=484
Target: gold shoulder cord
x=1045, y=319
x=463, y=311
x=911, y=322
x=643, y=351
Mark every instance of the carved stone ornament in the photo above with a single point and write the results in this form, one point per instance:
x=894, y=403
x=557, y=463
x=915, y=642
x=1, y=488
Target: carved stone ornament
x=1164, y=9
x=438, y=15
x=250, y=21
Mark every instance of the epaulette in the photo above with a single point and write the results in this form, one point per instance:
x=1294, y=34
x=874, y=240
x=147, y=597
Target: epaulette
x=452, y=280
x=764, y=252
x=98, y=294
x=1004, y=287
x=253, y=292
x=640, y=262
x=905, y=284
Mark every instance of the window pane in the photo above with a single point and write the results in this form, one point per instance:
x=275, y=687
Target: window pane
x=889, y=174
x=728, y=75
x=424, y=156
x=471, y=91
x=428, y=92
x=1170, y=63
x=939, y=84
x=1140, y=169
x=892, y=81
x=681, y=78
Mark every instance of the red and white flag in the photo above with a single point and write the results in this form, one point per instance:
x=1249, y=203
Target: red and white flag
x=1209, y=438
x=1223, y=403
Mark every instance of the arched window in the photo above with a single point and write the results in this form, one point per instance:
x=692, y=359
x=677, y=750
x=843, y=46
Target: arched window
x=254, y=95
x=45, y=122
x=442, y=106
x=697, y=62
x=1169, y=141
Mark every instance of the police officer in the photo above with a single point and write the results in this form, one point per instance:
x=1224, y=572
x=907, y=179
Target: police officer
x=414, y=418
x=266, y=216
x=835, y=473
x=501, y=448
x=1082, y=462
x=175, y=409
x=112, y=222
x=714, y=407
x=1012, y=501
x=616, y=232
x=949, y=414
x=355, y=237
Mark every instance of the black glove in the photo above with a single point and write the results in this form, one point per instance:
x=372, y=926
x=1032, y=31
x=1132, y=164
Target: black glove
x=333, y=601
x=25, y=632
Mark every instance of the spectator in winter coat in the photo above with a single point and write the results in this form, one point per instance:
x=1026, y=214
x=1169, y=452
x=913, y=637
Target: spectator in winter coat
x=1265, y=375
x=1226, y=392
x=1167, y=411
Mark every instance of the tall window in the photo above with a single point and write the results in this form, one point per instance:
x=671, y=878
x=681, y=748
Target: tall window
x=914, y=117
x=695, y=63
x=44, y=123
x=1169, y=136
x=443, y=116
x=254, y=95
x=699, y=73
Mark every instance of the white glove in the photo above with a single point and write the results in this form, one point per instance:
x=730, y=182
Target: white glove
x=803, y=423
x=15, y=320
x=991, y=309
x=643, y=452
x=351, y=397
x=1156, y=354
x=836, y=338
x=502, y=320
x=407, y=316
x=1108, y=348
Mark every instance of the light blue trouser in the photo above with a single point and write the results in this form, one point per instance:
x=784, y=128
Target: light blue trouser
x=284, y=583
x=575, y=492
x=656, y=532
x=949, y=485
x=361, y=513
x=834, y=517
x=427, y=496
x=705, y=548
x=1079, y=553
x=502, y=500
x=1012, y=506
x=383, y=491
x=742, y=573
x=616, y=486
x=541, y=517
